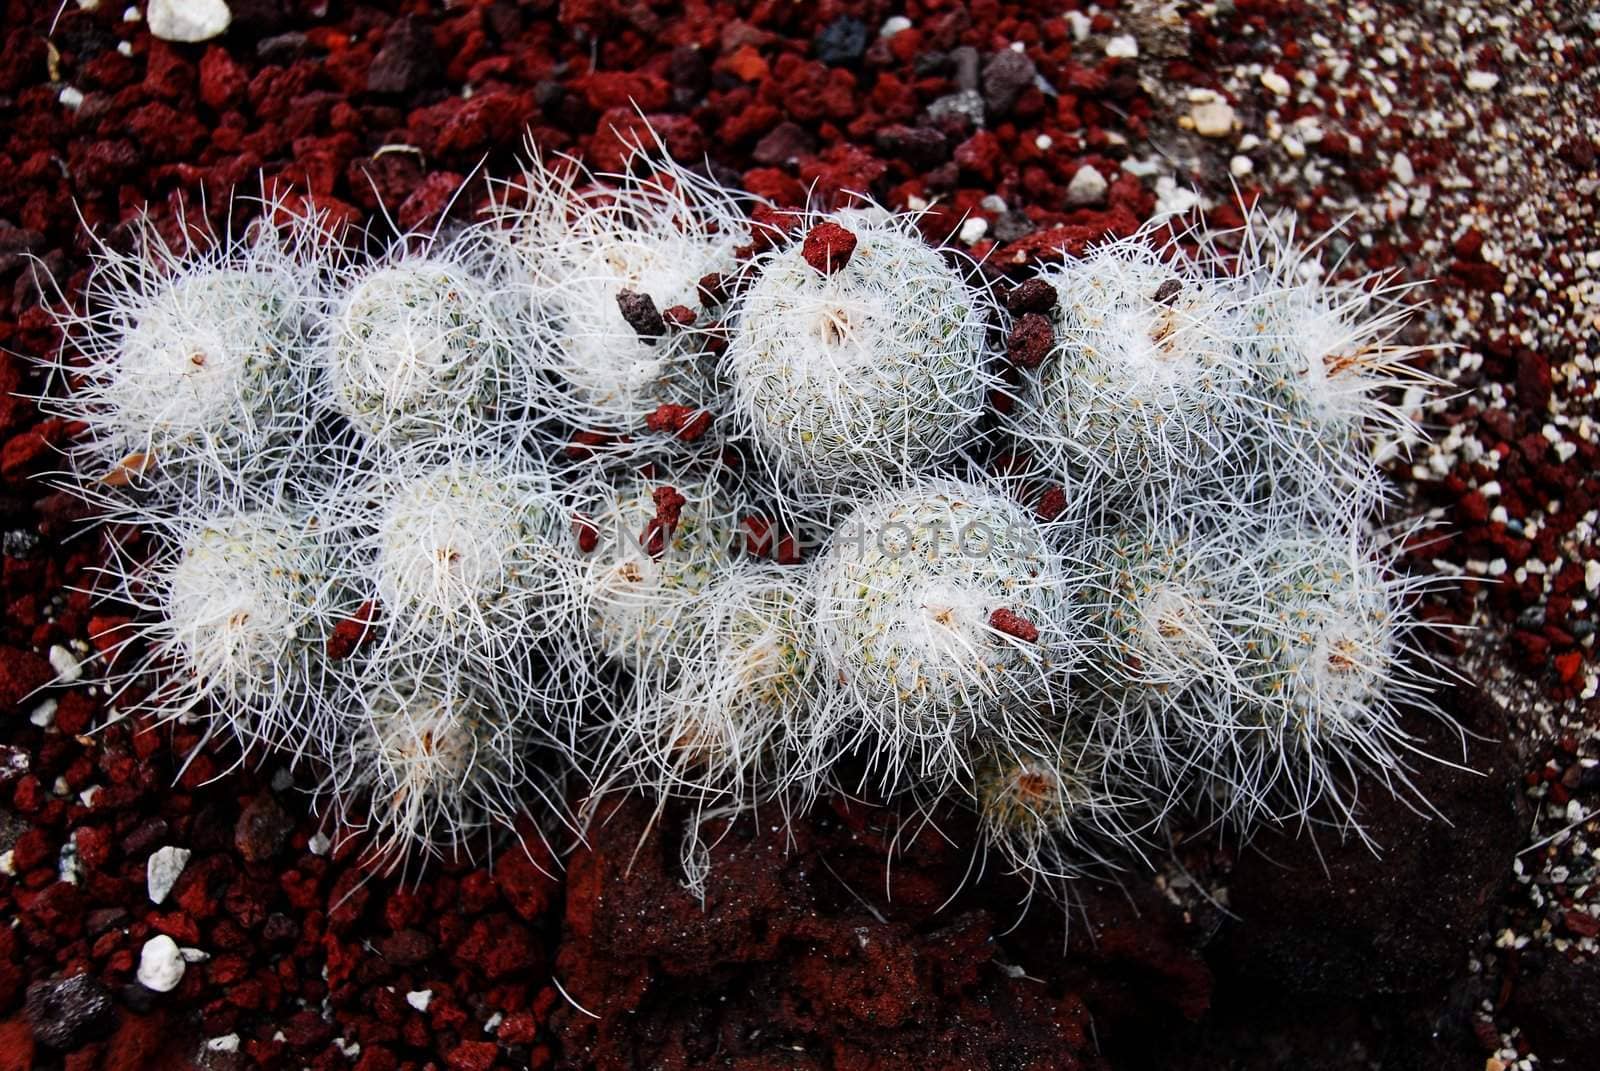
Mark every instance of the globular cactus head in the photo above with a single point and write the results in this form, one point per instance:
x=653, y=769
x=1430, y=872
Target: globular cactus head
x=239, y=608
x=1141, y=391
x=625, y=281
x=859, y=356
x=730, y=725
x=648, y=550
x=434, y=763
x=1054, y=813
x=1333, y=384
x=414, y=347
x=1329, y=656
x=189, y=370
x=941, y=614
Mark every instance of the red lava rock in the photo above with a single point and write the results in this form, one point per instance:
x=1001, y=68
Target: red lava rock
x=429, y=201
x=1014, y=624
x=679, y=316
x=352, y=633
x=222, y=81
x=21, y=674
x=669, y=506
x=528, y=877
x=682, y=421
x=263, y=829
x=586, y=532
x=639, y=310
x=16, y=1045
x=1034, y=295
x=1030, y=341
x=828, y=247
x=472, y=1056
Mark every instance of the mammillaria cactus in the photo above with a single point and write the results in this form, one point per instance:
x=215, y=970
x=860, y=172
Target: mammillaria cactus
x=240, y=607
x=190, y=368
x=414, y=348
x=859, y=355
x=940, y=614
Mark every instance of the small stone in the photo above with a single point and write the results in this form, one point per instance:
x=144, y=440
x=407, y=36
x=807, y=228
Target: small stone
x=407, y=61
x=1240, y=166
x=161, y=964
x=1088, y=187
x=1035, y=295
x=1276, y=83
x=262, y=830
x=894, y=24
x=1212, y=119
x=1006, y=75
x=973, y=229
x=1014, y=625
x=1030, y=341
x=66, y=665
x=71, y=98
x=641, y=314
x=1123, y=46
x=68, y=1013
x=1482, y=81
x=784, y=145
x=188, y=21
x=828, y=247
x=842, y=42
x=1404, y=173
x=420, y=999
x=162, y=870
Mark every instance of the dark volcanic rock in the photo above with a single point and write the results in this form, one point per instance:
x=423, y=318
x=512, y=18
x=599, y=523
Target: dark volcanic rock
x=68, y=1013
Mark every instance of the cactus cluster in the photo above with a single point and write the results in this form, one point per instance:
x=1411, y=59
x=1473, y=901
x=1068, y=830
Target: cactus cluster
x=639, y=484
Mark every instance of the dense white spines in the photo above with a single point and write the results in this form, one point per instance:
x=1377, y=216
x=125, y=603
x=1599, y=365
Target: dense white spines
x=601, y=263
x=940, y=613
x=1142, y=391
x=1326, y=625
x=189, y=370
x=376, y=553
x=475, y=557
x=864, y=374
x=730, y=726
x=1331, y=380
x=1055, y=813
x=414, y=348
x=438, y=763
x=240, y=607
x=649, y=548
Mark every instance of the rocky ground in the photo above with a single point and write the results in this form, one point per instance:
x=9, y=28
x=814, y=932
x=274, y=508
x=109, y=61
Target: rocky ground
x=1456, y=142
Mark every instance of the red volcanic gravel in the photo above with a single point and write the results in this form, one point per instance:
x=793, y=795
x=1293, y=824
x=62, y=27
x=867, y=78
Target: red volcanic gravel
x=828, y=247
x=1460, y=139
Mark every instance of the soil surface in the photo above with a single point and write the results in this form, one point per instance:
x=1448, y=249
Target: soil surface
x=1457, y=143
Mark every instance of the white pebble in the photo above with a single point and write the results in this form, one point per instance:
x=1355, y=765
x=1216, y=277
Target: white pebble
x=161, y=965
x=65, y=664
x=125, y=48
x=132, y=14
x=1591, y=575
x=1043, y=142
x=419, y=999
x=1240, y=166
x=1080, y=25
x=1212, y=119
x=188, y=20
x=894, y=24
x=1403, y=171
x=226, y=1043
x=1088, y=187
x=162, y=870
x=1123, y=46
x=44, y=715
x=1482, y=81
x=71, y=97
x=319, y=843
x=974, y=229
x=1275, y=82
